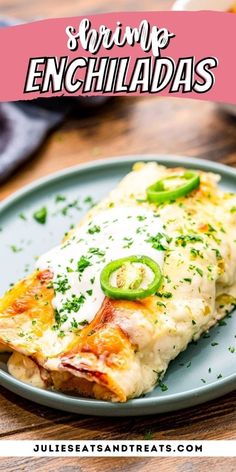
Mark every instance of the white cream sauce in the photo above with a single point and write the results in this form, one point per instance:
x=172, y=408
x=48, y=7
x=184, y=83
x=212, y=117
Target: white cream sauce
x=77, y=264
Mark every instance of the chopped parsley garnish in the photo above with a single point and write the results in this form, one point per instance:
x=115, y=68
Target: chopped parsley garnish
x=231, y=349
x=41, y=215
x=66, y=208
x=161, y=304
x=61, y=334
x=218, y=254
x=94, y=229
x=222, y=323
x=195, y=253
x=14, y=248
x=96, y=251
x=164, y=294
x=211, y=229
x=129, y=243
x=83, y=323
x=60, y=198
x=89, y=201
x=60, y=319
x=82, y=264
x=163, y=387
x=73, y=305
x=74, y=324
x=22, y=216
x=159, y=242
x=61, y=285
x=187, y=279
x=183, y=240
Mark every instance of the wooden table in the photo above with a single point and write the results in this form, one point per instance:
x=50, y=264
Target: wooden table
x=124, y=126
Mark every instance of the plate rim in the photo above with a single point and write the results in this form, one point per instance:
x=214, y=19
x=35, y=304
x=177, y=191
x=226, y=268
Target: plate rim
x=137, y=406
x=204, y=164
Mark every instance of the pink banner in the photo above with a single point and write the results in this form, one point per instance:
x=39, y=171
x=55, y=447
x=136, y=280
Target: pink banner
x=188, y=54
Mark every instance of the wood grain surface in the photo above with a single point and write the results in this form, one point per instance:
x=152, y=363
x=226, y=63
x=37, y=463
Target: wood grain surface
x=124, y=126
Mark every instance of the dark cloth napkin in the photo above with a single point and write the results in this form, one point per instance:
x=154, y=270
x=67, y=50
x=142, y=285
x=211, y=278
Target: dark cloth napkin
x=25, y=124
x=23, y=127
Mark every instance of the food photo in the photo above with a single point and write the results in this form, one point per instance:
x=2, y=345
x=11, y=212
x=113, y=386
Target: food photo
x=90, y=324
x=117, y=267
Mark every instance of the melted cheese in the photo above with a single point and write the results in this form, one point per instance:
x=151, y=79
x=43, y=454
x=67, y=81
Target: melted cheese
x=77, y=263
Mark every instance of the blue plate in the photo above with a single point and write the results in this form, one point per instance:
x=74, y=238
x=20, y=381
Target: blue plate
x=206, y=370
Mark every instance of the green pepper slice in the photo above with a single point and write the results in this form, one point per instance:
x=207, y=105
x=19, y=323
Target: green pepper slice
x=167, y=189
x=130, y=287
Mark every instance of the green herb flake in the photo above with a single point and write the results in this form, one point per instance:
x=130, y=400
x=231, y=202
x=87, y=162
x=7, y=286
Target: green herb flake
x=218, y=254
x=94, y=229
x=187, y=279
x=74, y=304
x=96, y=251
x=60, y=198
x=21, y=334
x=163, y=387
x=89, y=201
x=82, y=264
x=61, y=334
x=222, y=323
x=164, y=294
x=231, y=349
x=74, y=324
x=159, y=242
x=183, y=240
x=41, y=215
x=22, y=216
x=83, y=323
x=14, y=248
x=195, y=253
x=161, y=304
x=61, y=285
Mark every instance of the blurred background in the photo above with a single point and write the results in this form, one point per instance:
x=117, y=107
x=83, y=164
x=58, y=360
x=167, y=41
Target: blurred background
x=120, y=126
